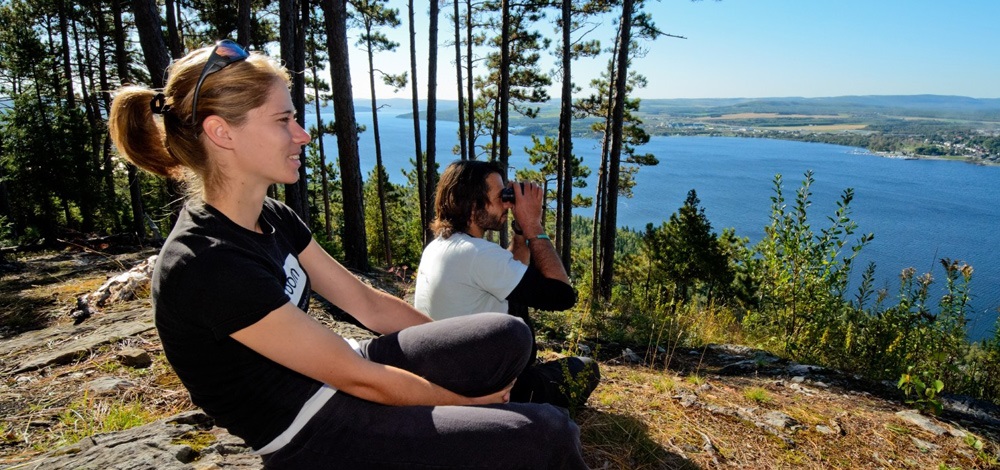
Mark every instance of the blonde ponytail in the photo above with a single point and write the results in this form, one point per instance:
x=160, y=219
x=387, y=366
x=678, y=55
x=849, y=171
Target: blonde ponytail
x=138, y=136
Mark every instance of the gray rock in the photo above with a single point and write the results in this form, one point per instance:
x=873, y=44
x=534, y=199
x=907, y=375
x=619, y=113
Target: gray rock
x=105, y=385
x=737, y=368
x=631, y=357
x=168, y=444
x=922, y=421
x=779, y=420
x=803, y=369
x=67, y=343
x=135, y=358
x=687, y=399
x=822, y=429
x=923, y=445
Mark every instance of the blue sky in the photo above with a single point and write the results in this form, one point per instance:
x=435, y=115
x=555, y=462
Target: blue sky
x=775, y=48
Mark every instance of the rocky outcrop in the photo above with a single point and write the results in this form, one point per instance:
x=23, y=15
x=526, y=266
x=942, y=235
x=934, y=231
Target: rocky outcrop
x=186, y=441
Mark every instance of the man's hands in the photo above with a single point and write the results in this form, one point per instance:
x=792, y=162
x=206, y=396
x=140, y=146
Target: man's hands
x=528, y=208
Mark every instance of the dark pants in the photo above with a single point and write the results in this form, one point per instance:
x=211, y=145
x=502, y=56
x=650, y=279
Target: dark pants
x=470, y=355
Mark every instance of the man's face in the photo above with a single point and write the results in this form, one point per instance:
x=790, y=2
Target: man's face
x=494, y=215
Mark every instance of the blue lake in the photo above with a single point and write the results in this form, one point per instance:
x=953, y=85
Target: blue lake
x=919, y=210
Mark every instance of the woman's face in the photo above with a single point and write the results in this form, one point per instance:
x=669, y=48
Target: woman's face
x=269, y=143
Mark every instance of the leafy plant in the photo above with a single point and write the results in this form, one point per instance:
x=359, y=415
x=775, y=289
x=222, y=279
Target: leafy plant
x=801, y=275
x=574, y=387
x=922, y=390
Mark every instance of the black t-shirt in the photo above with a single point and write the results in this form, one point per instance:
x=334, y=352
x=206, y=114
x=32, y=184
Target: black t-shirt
x=213, y=278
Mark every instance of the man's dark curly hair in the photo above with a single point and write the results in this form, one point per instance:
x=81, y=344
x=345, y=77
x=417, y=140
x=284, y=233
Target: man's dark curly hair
x=461, y=190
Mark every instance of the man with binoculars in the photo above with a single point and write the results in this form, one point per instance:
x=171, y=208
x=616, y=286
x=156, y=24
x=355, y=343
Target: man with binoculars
x=461, y=273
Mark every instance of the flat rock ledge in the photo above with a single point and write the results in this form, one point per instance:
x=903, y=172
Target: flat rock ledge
x=188, y=441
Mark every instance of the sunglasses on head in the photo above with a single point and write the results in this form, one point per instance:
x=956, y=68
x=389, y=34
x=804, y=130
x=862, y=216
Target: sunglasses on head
x=225, y=52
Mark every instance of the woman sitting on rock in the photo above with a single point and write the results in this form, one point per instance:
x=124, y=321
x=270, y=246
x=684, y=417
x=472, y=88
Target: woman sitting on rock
x=233, y=281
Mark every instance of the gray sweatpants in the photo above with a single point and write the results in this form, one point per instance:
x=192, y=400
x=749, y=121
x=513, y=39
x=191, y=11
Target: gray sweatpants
x=471, y=355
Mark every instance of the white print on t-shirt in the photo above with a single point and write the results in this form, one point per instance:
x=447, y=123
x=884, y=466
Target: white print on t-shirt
x=295, y=279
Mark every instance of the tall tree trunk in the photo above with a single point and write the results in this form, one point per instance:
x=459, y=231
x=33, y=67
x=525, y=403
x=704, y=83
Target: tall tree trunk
x=431, y=173
x=154, y=49
x=503, y=97
x=243, y=21
x=614, y=163
x=596, y=254
x=320, y=131
x=379, y=169
x=419, y=154
x=354, y=237
x=600, y=212
x=121, y=59
x=299, y=101
x=564, y=186
x=495, y=126
x=458, y=73
x=293, y=55
x=503, y=91
x=107, y=165
x=89, y=163
x=470, y=81
x=173, y=32
x=5, y=208
x=64, y=36
x=55, y=76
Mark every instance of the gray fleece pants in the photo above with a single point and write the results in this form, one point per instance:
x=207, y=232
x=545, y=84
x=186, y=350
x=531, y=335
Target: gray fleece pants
x=471, y=355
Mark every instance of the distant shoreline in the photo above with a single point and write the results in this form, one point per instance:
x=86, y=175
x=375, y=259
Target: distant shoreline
x=903, y=156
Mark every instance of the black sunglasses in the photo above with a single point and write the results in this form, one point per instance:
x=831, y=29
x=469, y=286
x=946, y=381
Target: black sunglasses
x=225, y=52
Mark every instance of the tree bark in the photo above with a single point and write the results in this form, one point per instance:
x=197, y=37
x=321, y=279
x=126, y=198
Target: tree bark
x=379, y=169
x=458, y=73
x=107, y=164
x=419, y=154
x=614, y=163
x=564, y=207
x=354, y=237
x=320, y=132
x=67, y=70
x=503, y=93
x=470, y=81
x=243, y=21
x=154, y=49
x=173, y=32
x=503, y=98
x=293, y=55
x=431, y=173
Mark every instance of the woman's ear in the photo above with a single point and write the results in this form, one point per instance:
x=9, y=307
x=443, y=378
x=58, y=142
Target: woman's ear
x=217, y=130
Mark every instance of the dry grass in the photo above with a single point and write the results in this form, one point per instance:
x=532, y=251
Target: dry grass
x=632, y=423
x=53, y=408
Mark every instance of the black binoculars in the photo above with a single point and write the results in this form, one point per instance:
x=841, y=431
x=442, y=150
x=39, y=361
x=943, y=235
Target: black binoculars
x=507, y=194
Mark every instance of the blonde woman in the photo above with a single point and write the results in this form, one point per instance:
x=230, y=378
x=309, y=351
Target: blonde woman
x=232, y=284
